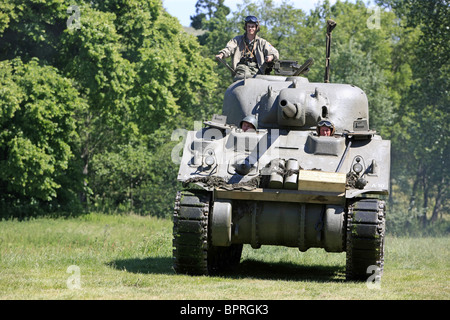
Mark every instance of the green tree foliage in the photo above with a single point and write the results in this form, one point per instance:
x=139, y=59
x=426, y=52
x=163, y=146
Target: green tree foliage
x=39, y=135
x=211, y=19
x=31, y=29
x=421, y=137
x=136, y=72
x=209, y=14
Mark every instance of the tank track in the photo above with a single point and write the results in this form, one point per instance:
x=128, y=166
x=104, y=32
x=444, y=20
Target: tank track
x=193, y=254
x=365, y=238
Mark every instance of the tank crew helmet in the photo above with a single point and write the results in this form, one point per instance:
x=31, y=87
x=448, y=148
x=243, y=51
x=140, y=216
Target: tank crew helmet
x=325, y=123
x=251, y=19
x=250, y=119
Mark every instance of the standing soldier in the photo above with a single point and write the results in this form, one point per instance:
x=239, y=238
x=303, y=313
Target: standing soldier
x=250, y=53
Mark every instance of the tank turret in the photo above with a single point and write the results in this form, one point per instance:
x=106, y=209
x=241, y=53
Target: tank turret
x=295, y=103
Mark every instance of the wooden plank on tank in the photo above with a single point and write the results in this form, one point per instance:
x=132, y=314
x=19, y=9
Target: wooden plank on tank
x=309, y=180
x=282, y=195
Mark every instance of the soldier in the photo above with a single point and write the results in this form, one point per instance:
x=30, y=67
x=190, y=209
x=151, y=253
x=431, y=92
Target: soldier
x=250, y=52
x=325, y=128
x=249, y=123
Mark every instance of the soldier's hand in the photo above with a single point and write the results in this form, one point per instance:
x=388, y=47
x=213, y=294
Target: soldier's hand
x=269, y=58
x=219, y=56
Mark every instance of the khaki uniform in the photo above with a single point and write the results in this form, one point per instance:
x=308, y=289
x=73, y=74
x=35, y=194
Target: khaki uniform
x=236, y=47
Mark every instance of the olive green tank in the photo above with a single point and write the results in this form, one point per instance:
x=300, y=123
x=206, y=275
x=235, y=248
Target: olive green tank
x=282, y=183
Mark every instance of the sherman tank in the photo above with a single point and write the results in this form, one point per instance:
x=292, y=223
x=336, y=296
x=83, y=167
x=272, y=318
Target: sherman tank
x=283, y=184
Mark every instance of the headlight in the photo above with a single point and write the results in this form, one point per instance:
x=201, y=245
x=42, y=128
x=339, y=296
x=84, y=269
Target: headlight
x=209, y=161
x=357, y=167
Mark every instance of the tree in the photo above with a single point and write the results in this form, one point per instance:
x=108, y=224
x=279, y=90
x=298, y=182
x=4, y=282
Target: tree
x=425, y=114
x=353, y=66
x=39, y=137
x=206, y=11
x=31, y=29
x=130, y=63
x=211, y=18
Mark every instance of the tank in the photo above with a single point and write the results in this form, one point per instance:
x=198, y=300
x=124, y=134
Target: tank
x=282, y=183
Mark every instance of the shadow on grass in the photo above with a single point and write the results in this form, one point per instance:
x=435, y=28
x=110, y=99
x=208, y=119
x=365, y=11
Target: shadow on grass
x=160, y=265
x=246, y=269
x=287, y=271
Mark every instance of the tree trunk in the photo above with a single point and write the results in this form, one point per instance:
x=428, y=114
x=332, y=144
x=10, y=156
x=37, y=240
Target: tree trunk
x=412, y=200
x=85, y=157
x=438, y=203
x=425, y=198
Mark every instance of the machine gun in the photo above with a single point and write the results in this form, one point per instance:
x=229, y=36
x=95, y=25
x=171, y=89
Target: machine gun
x=330, y=26
x=291, y=68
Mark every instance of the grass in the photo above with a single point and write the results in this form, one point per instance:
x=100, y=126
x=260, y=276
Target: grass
x=130, y=257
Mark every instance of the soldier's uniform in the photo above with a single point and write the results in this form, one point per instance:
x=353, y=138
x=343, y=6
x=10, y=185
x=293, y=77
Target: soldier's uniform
x=248, y=57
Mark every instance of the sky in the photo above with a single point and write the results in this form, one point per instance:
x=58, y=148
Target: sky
x=183, y=9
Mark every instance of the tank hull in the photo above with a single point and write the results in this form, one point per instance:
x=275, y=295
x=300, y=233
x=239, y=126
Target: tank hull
x=268, y=223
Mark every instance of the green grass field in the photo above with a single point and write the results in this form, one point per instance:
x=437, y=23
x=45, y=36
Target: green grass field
x=130, y=257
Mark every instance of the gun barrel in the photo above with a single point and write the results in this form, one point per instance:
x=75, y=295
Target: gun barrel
x=289, y=109
x=330, y=26
x=304, y=67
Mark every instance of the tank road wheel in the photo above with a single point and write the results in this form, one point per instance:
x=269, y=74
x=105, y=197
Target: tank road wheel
x=193, y=254
x=365, y=239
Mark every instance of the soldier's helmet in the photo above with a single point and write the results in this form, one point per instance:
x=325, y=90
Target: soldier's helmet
x=326, y=123
x=251, y=19
x=250, y=119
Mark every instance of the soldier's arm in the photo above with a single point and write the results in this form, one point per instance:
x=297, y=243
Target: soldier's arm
x=270, y=50
x=229, y=49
